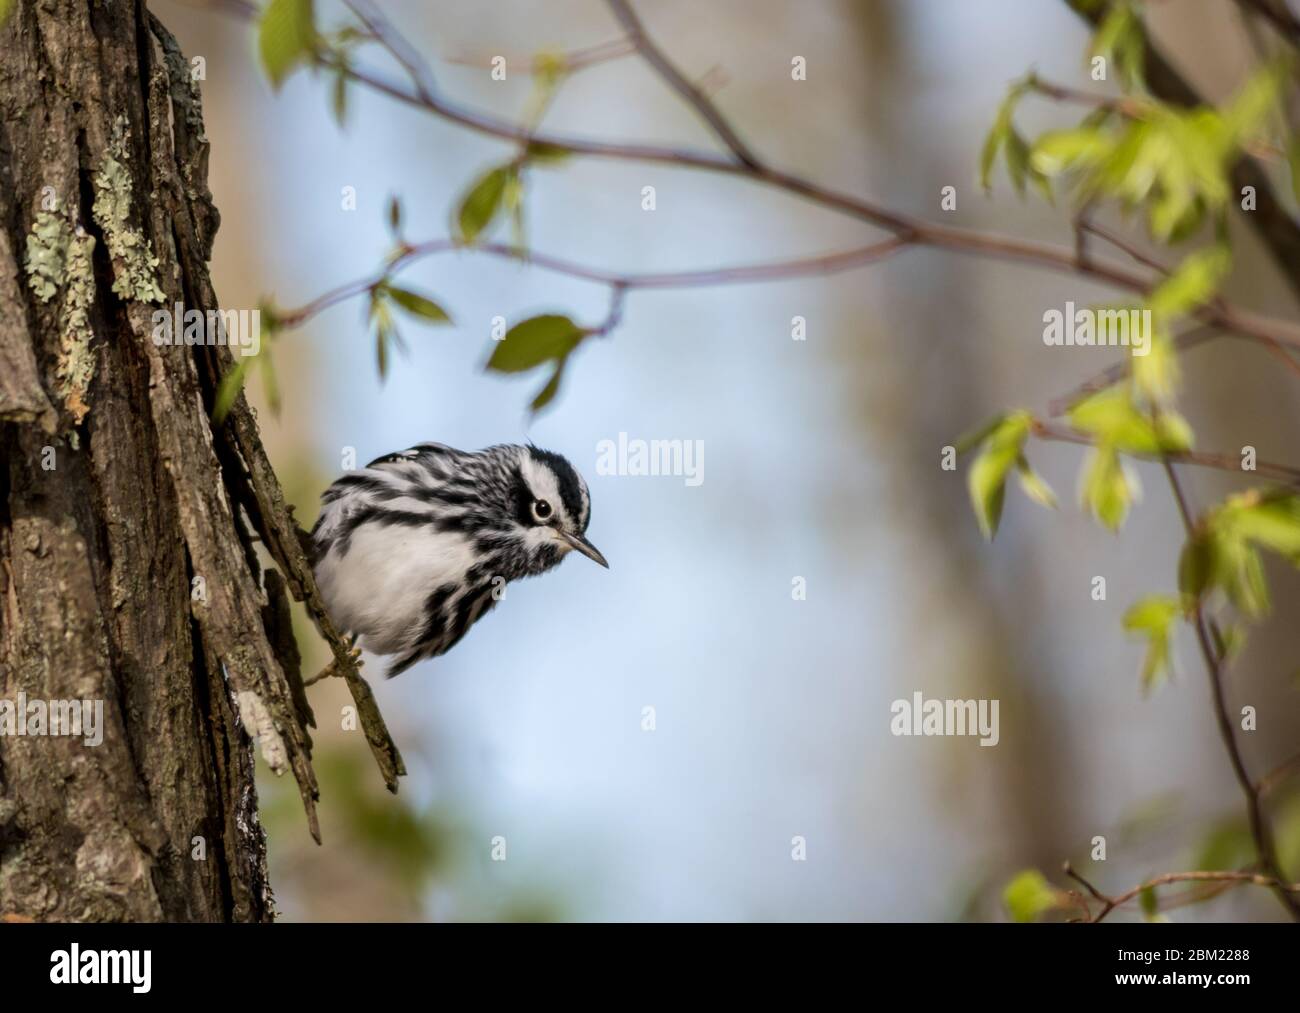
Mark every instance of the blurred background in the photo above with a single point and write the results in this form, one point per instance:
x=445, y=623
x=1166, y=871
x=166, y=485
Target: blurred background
x=822, y=461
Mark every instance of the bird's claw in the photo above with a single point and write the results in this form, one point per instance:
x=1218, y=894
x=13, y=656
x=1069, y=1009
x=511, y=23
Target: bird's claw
x=334, y=668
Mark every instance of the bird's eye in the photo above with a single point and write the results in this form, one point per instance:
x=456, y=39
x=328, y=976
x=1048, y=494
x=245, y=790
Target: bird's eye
x=541, y=509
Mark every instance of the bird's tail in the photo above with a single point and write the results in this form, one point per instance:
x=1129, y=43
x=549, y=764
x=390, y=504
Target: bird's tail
x=403, y=661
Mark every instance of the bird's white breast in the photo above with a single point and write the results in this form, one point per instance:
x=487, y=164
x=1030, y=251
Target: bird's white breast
x=379, y=588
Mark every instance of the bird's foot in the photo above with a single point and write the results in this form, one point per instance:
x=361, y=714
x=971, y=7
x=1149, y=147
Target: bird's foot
x=354, y=655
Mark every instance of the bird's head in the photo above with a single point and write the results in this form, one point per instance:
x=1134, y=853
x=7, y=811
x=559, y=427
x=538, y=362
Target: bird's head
x=550, y=508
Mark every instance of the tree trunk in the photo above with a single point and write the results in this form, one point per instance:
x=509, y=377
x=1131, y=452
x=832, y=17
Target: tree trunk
x=129, y=571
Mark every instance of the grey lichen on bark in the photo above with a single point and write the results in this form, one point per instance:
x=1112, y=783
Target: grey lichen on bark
x=47, y=253
x=134, y=262
x=116, y=491
x=76, y=360
x=59, y=260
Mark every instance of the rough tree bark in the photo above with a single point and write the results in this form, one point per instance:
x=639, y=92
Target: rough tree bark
x=117, y=492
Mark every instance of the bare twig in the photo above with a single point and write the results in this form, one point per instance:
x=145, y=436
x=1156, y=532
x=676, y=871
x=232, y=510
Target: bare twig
x=740, y=274
x=1118, y=371
x=1221, y=462
x=1230, y=319
x=573, y=61
x=1284, y=889
x=1224, y=879
x=1069, y=871
x=617, y=297
x=1260, y=831
x=392, y=40
x=1123, y=105
x=1120, y=243
x=694, y=97
x=1278, y=774
x=1123, y=245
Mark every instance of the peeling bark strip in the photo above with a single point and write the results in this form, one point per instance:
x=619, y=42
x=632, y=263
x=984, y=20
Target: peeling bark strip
x=115, y=492
x=21, y=396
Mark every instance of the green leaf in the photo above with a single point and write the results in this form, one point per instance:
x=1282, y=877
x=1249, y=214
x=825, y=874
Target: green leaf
x=1173, y=432
x=547, y=393
x=1042, y=184
x=1152, y=618
x=1156, y=375
x=1034, y=486
x=1293, y=163
x=269, y=382
x=270, y=317
x=1154, y=613
x=1205, y=143
x=1003, y=136
x=540, y=153
x=549, y=67
x=1017, y=152
x=1020, y=169
x=1109, y=414
x=1221, y=558
x=1108, y=491
x=339, y=93
x=1227, y=846
x=986, y=480
x=1115, y=420
x=1149, y=903
x=1287, y=833
x=1174, y=159
x=482, y=202
x=1196, y=565
x=395, y=214
x=385, y=330
x=286, y=37
x=381, y=353
x=417, y=305
x=534, y=341
x=1250, y=108
x=1099, y=117
x=1059, y=151
x=1244, y=580
x=1029, y=895
x=1225, y=552
x=1111, y=31
x=1130, y=171
x=512, y=199
x=231, y=384
x=1120, y=40
x=1000, y=133
x=1271, y=520
x=969, y=441
x=997, y=136
x=1194, y=282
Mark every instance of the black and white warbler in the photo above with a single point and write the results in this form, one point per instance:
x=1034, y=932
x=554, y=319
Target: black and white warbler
x=413, y=549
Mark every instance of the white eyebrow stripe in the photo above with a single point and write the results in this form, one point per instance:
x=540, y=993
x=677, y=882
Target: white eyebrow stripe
x=541, y=482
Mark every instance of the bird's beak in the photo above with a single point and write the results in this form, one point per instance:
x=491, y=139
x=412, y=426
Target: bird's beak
x=583, y=546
